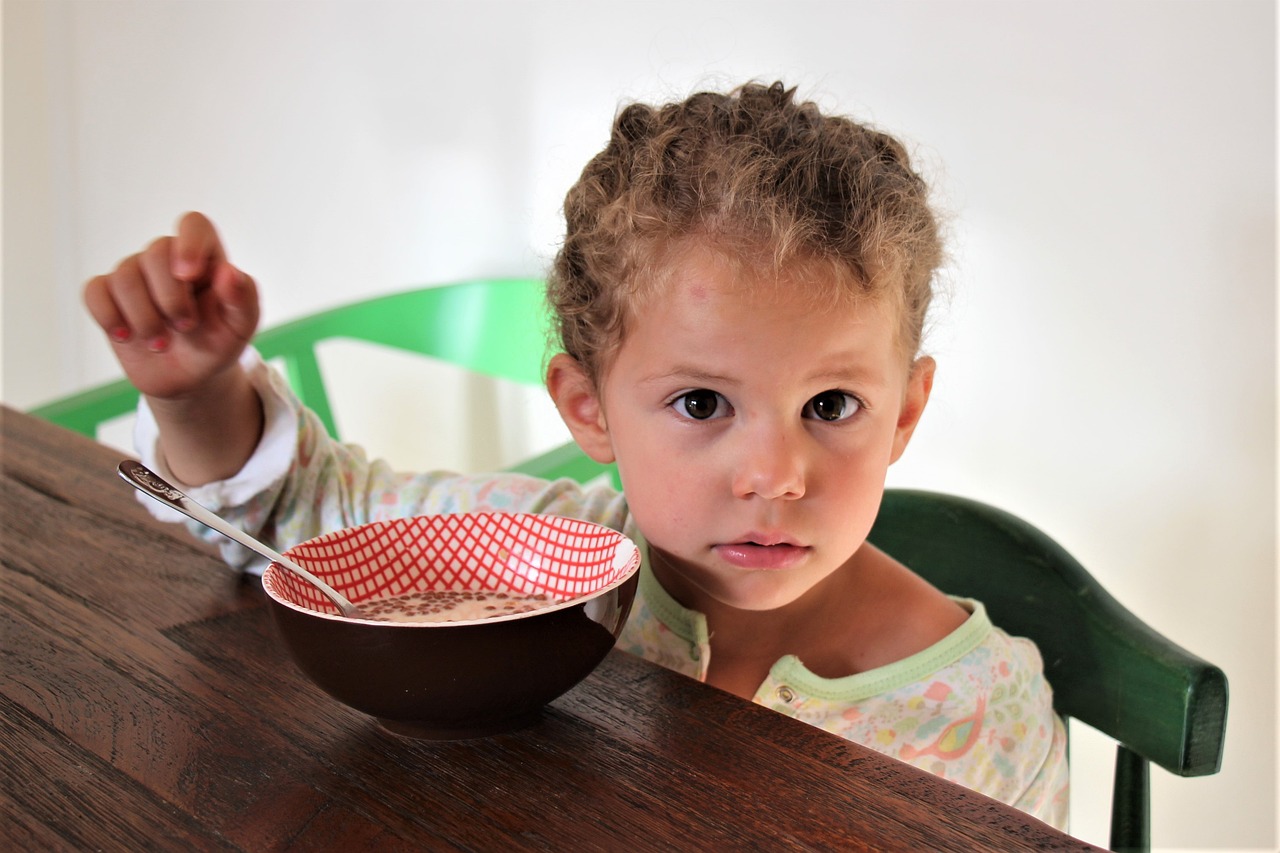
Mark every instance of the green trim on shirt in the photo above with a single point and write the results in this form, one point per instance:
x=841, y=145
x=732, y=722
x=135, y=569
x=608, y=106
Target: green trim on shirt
x=688, y=625
x=910, y=670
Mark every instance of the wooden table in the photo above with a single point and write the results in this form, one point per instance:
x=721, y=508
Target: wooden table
x=146, y=704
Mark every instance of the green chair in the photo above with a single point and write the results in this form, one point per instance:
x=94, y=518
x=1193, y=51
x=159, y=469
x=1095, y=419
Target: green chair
x=495, y=327
x=1108, y=669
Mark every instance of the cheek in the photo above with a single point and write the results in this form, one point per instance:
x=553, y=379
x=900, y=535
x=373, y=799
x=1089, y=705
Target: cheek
x=663, y=490
x=856, y=480
x=658, y=483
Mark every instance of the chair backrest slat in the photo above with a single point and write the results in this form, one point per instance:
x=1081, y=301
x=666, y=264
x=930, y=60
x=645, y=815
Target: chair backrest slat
x=497, y=327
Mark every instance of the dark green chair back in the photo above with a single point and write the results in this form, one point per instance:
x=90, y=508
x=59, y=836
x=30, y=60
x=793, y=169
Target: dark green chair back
x=1108, y=669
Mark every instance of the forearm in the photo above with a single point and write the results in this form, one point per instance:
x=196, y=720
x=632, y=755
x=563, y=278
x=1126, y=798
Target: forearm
x=209, y=435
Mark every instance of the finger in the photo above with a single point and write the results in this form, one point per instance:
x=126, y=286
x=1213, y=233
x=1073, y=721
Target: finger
x=132, y=298
x=172, y=297
x=196, y=249
x=103, y=310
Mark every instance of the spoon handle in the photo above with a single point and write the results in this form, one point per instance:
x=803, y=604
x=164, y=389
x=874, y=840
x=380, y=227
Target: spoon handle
x=153, y=485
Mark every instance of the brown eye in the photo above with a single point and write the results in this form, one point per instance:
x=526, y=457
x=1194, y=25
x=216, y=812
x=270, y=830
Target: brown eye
x=700, y=405
x=832, y=406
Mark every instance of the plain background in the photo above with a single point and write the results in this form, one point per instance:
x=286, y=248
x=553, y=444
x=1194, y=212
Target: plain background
x=1107, y=338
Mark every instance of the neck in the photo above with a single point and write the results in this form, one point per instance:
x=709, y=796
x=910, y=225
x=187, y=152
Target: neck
x=765, y=635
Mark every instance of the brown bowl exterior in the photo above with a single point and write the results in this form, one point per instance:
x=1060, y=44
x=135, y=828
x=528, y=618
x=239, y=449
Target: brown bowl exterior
x=449, y=682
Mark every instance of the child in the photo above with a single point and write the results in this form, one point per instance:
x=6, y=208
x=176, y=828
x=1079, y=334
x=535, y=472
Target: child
x=739, y=300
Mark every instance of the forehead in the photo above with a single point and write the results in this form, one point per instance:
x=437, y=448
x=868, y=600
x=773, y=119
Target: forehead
x=762, y=269
x=717, y=316
x=695, y=273
x=753, y=274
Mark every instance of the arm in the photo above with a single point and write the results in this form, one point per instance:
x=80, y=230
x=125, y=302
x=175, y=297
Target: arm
x=179, y=317
x=300, y=483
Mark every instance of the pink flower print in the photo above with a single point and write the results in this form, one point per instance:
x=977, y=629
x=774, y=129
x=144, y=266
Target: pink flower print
x=938, y=691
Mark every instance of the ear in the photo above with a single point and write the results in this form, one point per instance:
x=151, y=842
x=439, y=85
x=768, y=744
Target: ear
x=579, y=404
x=919, y=386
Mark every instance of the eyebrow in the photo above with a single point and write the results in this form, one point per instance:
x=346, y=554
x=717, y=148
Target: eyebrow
x=696, y=375
x=690, y=374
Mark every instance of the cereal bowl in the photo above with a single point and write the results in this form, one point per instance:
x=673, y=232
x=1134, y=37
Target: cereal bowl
x=471, y=622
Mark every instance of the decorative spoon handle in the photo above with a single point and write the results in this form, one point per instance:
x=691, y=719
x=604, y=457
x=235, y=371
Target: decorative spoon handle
x=153, y=485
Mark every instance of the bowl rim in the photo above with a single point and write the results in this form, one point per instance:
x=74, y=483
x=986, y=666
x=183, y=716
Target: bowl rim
x=635, y=560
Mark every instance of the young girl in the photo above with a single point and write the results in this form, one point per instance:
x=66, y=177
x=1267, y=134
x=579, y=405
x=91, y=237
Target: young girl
x=739, y=302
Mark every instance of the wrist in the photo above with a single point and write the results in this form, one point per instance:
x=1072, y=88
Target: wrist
x=210, y=433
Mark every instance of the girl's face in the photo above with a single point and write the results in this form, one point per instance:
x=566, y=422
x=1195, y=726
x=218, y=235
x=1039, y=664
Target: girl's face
x=753, y=428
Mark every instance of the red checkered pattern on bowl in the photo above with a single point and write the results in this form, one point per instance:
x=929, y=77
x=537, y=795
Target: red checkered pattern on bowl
x=563, y=558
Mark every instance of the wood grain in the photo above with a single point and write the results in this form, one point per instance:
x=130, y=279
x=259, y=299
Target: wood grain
x=146, y=703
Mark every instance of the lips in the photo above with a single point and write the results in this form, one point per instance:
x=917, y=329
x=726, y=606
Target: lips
x=762, y=553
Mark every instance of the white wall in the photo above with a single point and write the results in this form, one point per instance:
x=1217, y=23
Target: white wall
x=1107, y=352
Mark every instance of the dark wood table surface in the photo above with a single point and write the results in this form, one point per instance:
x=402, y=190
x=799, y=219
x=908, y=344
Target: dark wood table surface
x=145, y=703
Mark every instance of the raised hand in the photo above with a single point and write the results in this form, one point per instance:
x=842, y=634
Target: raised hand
x=178, y=313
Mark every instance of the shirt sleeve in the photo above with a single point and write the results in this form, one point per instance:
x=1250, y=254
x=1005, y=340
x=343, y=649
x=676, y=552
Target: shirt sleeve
x=300, y=483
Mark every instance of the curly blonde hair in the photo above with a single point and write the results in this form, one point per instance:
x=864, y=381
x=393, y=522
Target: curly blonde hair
x=754, y=173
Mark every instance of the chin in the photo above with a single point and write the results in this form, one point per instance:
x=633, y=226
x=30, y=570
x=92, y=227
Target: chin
x=762, y=601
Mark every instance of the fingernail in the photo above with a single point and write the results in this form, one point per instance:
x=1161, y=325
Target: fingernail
x=159, y=343
x=120, y=334
x=184, y=324
x=184, y=267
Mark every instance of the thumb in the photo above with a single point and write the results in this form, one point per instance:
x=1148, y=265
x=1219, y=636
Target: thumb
x=237, y=296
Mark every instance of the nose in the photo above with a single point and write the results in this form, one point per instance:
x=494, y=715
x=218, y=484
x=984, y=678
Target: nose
x=771, y=465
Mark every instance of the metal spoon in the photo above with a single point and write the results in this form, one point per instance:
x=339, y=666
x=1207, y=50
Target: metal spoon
x=153, y=485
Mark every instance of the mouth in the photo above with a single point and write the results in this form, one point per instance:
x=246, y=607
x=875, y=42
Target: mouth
x=762, y=553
